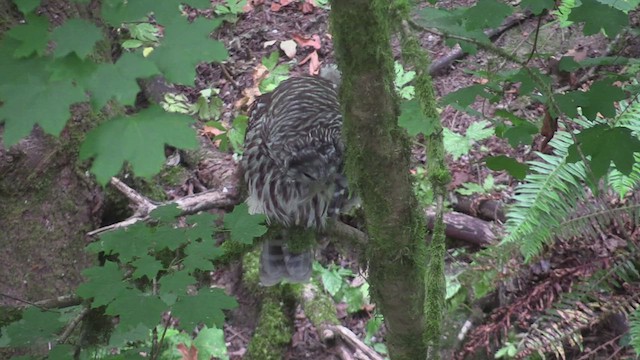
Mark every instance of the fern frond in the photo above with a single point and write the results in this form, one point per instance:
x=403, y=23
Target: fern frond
x=548, y=195
x=620, y=183
x=562, y=324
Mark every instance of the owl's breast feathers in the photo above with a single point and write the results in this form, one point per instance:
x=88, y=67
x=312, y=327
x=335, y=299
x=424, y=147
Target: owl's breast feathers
x=293, y=153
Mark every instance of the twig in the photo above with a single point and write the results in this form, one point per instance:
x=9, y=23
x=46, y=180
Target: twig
x=350, y=338
x=227, y=75
x=72, y=325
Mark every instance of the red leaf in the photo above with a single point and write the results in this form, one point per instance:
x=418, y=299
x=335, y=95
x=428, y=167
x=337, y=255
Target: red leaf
x=275, y=7
x=314, y=41
x=307, y=7
x=188, y=354
x=314, y=63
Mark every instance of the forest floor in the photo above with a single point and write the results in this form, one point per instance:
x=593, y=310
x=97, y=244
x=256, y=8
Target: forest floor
x=264, y=27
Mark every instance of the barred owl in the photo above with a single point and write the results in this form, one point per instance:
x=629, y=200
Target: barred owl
x=293, y=168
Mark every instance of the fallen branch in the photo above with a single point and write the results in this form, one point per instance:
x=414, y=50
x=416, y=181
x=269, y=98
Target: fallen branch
x=445, y=61
x=192, y=204
x=350, y=338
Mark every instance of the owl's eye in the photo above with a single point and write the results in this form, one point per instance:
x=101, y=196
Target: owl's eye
x=308, y=176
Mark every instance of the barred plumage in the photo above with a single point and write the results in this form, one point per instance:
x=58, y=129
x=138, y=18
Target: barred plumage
x=293, y=166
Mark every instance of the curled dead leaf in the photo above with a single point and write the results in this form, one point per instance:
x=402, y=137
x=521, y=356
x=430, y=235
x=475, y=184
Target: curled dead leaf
x=314, y=41
x=314, y=63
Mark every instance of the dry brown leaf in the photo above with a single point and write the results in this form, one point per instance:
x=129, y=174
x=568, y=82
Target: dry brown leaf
x=314, y=41
x=289, y=47
x=314, y=63
x=250, y=93
x=188, y=354
x=268, y=43
x=308, y=6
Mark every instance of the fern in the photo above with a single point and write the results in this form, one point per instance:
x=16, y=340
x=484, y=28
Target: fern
x=548, y=195
x=553, y=200
x=564, y=9
x=590, y=302
x=620, y=183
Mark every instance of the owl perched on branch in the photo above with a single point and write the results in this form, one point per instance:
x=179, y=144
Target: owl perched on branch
x=293, y=168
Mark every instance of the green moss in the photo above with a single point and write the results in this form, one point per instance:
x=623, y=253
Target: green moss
x=172, y=175
x=320, y=308
x=273, y=333
x=250, y=270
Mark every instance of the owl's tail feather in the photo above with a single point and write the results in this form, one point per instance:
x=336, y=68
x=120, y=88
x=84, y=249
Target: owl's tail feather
x=277, y=263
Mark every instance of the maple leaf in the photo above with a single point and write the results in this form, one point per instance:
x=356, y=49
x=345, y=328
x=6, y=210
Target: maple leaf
x=188, y=354
x=138, y=140
x=36, y=100
x=184, y=46
x=597, y=16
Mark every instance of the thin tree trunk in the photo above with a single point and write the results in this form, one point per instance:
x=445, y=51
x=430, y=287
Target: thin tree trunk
x=378, y=168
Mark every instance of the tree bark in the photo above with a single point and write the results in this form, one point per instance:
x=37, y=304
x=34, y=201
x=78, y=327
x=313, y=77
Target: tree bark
x=377, y=165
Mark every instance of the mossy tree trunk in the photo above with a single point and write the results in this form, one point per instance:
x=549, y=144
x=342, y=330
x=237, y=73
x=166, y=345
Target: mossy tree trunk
x=377, y=165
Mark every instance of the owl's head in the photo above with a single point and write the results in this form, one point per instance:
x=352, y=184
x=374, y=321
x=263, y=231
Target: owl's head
x=313, y=163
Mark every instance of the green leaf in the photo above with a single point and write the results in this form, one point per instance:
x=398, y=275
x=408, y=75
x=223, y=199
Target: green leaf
x=622, y=5
x=26, y=6
x=122, y=335
x=166, y=213
x=200, y=254
x=33, y=36
x=118, y=81
x=597, y=16
x=479, y=130
x=71, y=67
x=103, y=285
x=270, y=61
x=244, y=227
x=146, y=266
x=569, y=102
x=211, y=344
x=605, y=144
x=35, y=327
x=186, y=45
x=470, y=189
x=132, y=44
x=466, y=96
x=116, y=12
x=128, y=243
x=134, y=308
x=413, y=119
x=601, y=98
x=520, y=134
x=487, y=14
x=176, y=282
x=75, y=35
x=139, y=140
x=36, y=101
x=61, y=352
x=354, y=298
x=332, y=281
x=455, y=144
x=206, y=307
x=512, y=166
x=538, y=6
